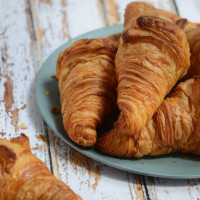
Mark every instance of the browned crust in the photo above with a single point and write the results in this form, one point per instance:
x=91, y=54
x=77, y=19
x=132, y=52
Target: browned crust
x=87, y=87
x=23, y=175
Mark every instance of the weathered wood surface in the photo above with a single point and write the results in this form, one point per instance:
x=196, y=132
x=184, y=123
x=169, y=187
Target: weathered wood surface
x=29, y=32
x=18, y=70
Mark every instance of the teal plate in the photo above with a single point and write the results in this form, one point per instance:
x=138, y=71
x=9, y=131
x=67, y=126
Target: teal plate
x=181, y=166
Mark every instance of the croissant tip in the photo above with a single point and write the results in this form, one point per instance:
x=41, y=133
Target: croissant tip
x=22, y=140
x=86, y=137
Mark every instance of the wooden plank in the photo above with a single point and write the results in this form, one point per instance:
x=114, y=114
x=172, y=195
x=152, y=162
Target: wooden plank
x=19, y=113
x=168, y=189
x=189, y=10
x=56, y=22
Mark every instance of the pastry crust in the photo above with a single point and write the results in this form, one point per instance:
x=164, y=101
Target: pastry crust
x=24, y=177
x=174, y=127
x=87, y=85
x=192, y=30
x=152, y=56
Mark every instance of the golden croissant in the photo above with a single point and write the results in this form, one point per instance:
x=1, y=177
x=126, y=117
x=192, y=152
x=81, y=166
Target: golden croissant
x=87, y=83
x=153, y=55
x=192, y=30
x=174, y=127
x=24, y=177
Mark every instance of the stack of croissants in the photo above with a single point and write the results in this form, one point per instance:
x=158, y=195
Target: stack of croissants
x=156, y=55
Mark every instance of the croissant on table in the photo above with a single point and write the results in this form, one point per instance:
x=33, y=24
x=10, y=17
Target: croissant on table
x=155, y=137
x=174, y=127
x=192, y=30
x=153, y=55
x=87, y=82
x=24, y=177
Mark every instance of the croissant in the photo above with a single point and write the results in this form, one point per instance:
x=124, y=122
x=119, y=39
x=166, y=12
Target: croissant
x=24, y=177
x=174, y=127
x=87, y=84
x=153, y=55
x=192, y=30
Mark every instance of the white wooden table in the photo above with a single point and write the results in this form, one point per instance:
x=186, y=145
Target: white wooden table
x=30, y=30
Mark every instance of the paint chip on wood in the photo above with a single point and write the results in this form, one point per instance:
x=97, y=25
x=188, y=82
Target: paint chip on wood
x=15, y=119
x=41, y=137
x=2, y=133
x=23, y=126
x=23, y=107
x=8, y=94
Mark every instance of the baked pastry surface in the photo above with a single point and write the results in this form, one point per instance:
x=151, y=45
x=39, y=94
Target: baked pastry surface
x=87, y=84
x=174, y=127
x=24, y=177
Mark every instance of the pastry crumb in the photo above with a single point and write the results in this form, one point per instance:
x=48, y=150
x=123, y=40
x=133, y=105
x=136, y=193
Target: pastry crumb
x=163, y=165
x=144, y=163
x=166, y=191
x=54, y=76
x=47, y=92
x=174, y=161
x=139, y=188
x=55, y=110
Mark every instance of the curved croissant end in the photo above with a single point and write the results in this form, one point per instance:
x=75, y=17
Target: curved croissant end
x=24, y=176
x=174, y=127
x=87, y=83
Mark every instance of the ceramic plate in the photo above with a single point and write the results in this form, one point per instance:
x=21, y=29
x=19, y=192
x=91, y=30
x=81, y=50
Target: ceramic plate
x=169, y=166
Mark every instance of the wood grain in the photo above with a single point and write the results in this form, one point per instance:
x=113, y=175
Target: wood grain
x=17, y=77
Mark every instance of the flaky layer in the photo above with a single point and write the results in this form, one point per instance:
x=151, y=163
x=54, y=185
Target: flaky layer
x=153, y=55
x=87, y=85
x=24, y=176
x=174, y=127
x=192, y=30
